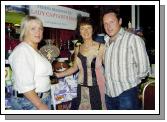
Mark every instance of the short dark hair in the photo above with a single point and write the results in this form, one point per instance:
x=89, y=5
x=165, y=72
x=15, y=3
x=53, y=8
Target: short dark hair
x=85, y=21
x=116, y=12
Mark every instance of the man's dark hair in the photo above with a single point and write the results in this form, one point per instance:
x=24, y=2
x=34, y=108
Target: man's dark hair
x=116, y=12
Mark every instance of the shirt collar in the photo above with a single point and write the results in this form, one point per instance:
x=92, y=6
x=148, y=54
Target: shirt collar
x=120, y=32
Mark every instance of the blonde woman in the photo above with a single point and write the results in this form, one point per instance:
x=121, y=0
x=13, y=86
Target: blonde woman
x=31, y=70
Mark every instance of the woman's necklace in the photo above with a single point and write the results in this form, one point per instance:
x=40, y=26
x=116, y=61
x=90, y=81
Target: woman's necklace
x=88, y=45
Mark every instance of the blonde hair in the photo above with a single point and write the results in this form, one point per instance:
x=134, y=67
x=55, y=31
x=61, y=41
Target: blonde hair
x=24, y=25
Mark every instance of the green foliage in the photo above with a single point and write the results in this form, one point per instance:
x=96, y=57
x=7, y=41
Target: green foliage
x=13, y=17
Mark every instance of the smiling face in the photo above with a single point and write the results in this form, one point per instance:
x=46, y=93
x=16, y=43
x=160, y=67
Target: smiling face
x=86, y=31
x=34, y=32
x=111, y=24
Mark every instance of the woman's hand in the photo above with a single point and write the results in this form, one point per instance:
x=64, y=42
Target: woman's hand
x=67, y=72
x=35, y=99
x=42, y=107
x=59, y=74
x=56, y=75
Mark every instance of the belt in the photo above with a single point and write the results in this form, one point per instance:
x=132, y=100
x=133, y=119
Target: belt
x=41, y=94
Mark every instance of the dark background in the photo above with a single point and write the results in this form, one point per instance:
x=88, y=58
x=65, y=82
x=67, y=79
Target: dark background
x=62, y=37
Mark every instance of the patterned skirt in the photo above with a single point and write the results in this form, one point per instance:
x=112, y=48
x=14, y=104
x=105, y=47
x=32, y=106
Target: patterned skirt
x=88, y=98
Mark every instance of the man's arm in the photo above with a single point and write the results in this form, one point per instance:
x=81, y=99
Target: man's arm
x=141, y=57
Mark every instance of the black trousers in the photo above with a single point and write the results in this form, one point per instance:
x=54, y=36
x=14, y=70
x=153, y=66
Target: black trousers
x=95, y=98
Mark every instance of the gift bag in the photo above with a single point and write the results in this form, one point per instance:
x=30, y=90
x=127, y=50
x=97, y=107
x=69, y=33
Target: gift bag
x=64, y=91
x=72, y=84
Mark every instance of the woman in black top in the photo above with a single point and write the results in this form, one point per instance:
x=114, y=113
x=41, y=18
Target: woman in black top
x=88, y=57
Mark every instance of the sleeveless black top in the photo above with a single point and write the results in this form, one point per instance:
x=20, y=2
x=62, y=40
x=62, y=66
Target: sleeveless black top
x=85, y=61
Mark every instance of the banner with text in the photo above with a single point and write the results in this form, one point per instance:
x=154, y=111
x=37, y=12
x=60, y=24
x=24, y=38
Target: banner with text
x=57, y=16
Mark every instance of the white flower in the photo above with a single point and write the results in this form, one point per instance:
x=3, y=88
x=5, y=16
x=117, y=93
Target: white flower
x=78, y=44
